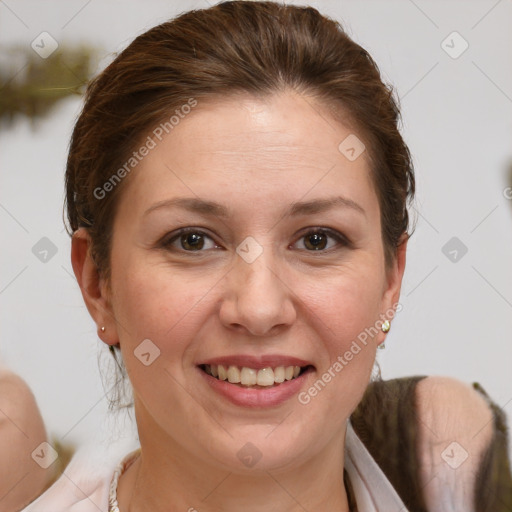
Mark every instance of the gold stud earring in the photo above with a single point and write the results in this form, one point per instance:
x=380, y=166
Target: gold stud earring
x=385, y=328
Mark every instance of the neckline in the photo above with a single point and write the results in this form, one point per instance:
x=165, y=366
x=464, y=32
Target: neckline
x=125, y=463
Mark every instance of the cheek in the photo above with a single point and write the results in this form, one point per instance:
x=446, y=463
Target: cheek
x=343, y=317
x=153, y=302
x=345, y=304
x=154, y=305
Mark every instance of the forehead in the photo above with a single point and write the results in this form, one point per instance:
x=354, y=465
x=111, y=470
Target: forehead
x=279, y=148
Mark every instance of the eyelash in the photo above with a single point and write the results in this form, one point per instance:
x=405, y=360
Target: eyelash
x=340, y=238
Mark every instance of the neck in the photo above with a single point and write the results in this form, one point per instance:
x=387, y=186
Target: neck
x=166, y=477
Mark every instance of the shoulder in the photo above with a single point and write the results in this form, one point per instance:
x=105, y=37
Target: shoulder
x=456, y=435
x=439, y=406
x=439, y=440
x=16, y=398
x=452, y=410
x=19, y=407
x=21, y=432
x=85, y=483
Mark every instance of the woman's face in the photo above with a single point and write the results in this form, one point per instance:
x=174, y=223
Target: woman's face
x=276, y=270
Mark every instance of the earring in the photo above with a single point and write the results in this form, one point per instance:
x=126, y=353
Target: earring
x=385, y=328
x=102, y=328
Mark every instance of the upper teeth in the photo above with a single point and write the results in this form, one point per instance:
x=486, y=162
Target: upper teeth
x=249, y=376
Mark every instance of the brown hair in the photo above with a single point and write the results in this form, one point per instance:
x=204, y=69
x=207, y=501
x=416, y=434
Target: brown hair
x=236, y=46
x=251, y=47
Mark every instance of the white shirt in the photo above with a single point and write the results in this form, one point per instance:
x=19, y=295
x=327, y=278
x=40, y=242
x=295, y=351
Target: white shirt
x=84, y=485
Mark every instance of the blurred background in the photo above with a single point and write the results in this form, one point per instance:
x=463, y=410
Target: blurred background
x=451, y=65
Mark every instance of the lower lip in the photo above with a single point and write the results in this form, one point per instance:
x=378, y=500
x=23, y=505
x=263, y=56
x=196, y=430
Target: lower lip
x=257, y=397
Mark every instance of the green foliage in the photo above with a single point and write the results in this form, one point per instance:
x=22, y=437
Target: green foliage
x=30, y=85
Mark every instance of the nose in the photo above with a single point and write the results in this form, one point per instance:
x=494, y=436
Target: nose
x=258, y=300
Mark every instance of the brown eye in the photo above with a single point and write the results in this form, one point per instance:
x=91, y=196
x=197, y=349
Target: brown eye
x=189, y=240
x=323, y=240
x=192, y=241
x=316, y=241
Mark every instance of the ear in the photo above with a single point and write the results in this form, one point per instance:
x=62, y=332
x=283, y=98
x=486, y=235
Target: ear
x=393, y=283
x=94, y=289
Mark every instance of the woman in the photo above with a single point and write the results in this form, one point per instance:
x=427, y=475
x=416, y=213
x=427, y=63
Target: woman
x=237, y=194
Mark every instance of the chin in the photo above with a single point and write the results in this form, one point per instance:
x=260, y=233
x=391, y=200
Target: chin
x=263, y=448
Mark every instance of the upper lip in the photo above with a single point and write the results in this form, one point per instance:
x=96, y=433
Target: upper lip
x=257, y=362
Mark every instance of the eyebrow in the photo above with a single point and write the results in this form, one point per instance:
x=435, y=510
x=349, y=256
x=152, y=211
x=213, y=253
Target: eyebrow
x=205, y=207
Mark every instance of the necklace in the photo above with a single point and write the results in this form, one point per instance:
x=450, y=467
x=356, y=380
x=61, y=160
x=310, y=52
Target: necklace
x=127, y=461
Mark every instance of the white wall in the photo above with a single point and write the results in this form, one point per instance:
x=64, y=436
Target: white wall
x=457, y=317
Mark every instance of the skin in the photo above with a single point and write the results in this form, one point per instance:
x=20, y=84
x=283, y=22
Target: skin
x=450, y=410
x=256, y=157
x=21, y=432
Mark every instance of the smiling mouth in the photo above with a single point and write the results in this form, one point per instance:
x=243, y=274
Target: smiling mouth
x=255, y=378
